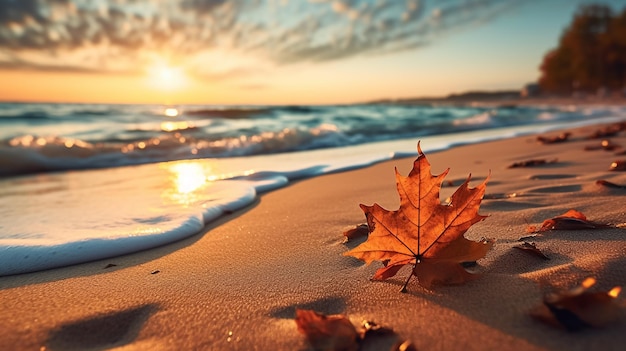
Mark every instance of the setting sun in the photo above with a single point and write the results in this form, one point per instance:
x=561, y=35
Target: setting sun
x=163, y=76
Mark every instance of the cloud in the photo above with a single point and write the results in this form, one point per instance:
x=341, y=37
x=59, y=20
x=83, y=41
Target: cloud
x=202, y=6
x=16, y=64
x=350, y=28
x=122, y=35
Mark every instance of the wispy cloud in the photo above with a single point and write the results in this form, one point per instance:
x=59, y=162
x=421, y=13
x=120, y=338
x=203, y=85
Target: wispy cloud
x=222, y=39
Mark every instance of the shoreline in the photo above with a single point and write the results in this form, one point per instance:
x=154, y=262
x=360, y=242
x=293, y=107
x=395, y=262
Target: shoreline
x=236, y=285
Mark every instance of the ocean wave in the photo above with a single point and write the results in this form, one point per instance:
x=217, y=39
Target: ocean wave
x=481, y=119
x=53, y=137
x=298, y=109
x=55, y=112
x=32, y=154
x=236, y=112
x=233, y=113
x=31, y=116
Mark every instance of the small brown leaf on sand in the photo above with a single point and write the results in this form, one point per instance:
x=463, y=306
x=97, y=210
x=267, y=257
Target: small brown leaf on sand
x=554, y=139
x=608, y=131
x=619, y=165
x=579, y=308
x=570, y=220
x=605, y=144
x=532, y=163
x=372, y=328
x=532, y=249
x=336, y=333
x=531, y=236
x=328, y=333
x=110, y=265
x=358, y=231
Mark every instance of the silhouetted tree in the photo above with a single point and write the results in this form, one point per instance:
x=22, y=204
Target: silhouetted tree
x=615, y=43
x=591, y=53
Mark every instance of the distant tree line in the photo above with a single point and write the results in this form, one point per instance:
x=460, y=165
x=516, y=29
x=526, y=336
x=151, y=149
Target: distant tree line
x=591, y=55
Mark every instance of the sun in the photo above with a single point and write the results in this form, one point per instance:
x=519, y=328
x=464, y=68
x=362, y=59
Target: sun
x=164, y=76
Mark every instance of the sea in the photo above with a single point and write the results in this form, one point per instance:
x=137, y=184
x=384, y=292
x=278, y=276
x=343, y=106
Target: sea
x=84, y=182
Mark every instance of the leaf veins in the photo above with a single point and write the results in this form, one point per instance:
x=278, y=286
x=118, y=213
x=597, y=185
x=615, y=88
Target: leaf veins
x=423, y=232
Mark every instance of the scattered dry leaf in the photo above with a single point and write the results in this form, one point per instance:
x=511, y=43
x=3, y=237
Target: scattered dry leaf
x=423, y=232
x=369, y=328
x=532, y=163
x=532, y=249
x=608, y=131
x=358, y=231
x=578, y=308
x=377, y=337
x=554, y=139
x=528, y=237
x=619, y=165
x=605, y=144
x=327, y=333
x=570, y=220
x=608, y=184
x=337, y=333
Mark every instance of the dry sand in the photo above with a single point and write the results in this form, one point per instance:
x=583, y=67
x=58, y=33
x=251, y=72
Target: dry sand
x=236, y=285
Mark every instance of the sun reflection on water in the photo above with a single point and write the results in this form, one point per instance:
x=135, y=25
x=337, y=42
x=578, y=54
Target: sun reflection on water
x=188, y=179
x=173, y=126
x=171, y=112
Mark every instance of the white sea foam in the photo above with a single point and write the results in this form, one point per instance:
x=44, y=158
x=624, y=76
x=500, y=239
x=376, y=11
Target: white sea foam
x=479, y=119
x=67, y=218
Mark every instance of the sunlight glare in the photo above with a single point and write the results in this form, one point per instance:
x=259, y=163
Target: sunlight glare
x=173, y=126
x=614, y=293
x=163, y=76
x=187, y=179
x=589, y=282
x=171, y=112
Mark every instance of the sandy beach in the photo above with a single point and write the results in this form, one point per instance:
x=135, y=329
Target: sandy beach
x=236, y=285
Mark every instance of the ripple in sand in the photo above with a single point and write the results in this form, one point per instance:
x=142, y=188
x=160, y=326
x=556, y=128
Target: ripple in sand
x=551, y=176
x=503, y=205
x=557, y=189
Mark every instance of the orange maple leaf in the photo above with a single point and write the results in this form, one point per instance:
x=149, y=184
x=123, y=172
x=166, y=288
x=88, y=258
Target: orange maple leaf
x=423, y=232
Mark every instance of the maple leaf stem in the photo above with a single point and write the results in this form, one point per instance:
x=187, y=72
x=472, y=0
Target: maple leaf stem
x=423, y=230
x=403, y=290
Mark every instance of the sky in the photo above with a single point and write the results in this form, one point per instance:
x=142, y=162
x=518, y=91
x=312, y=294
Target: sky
x=262, y=52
